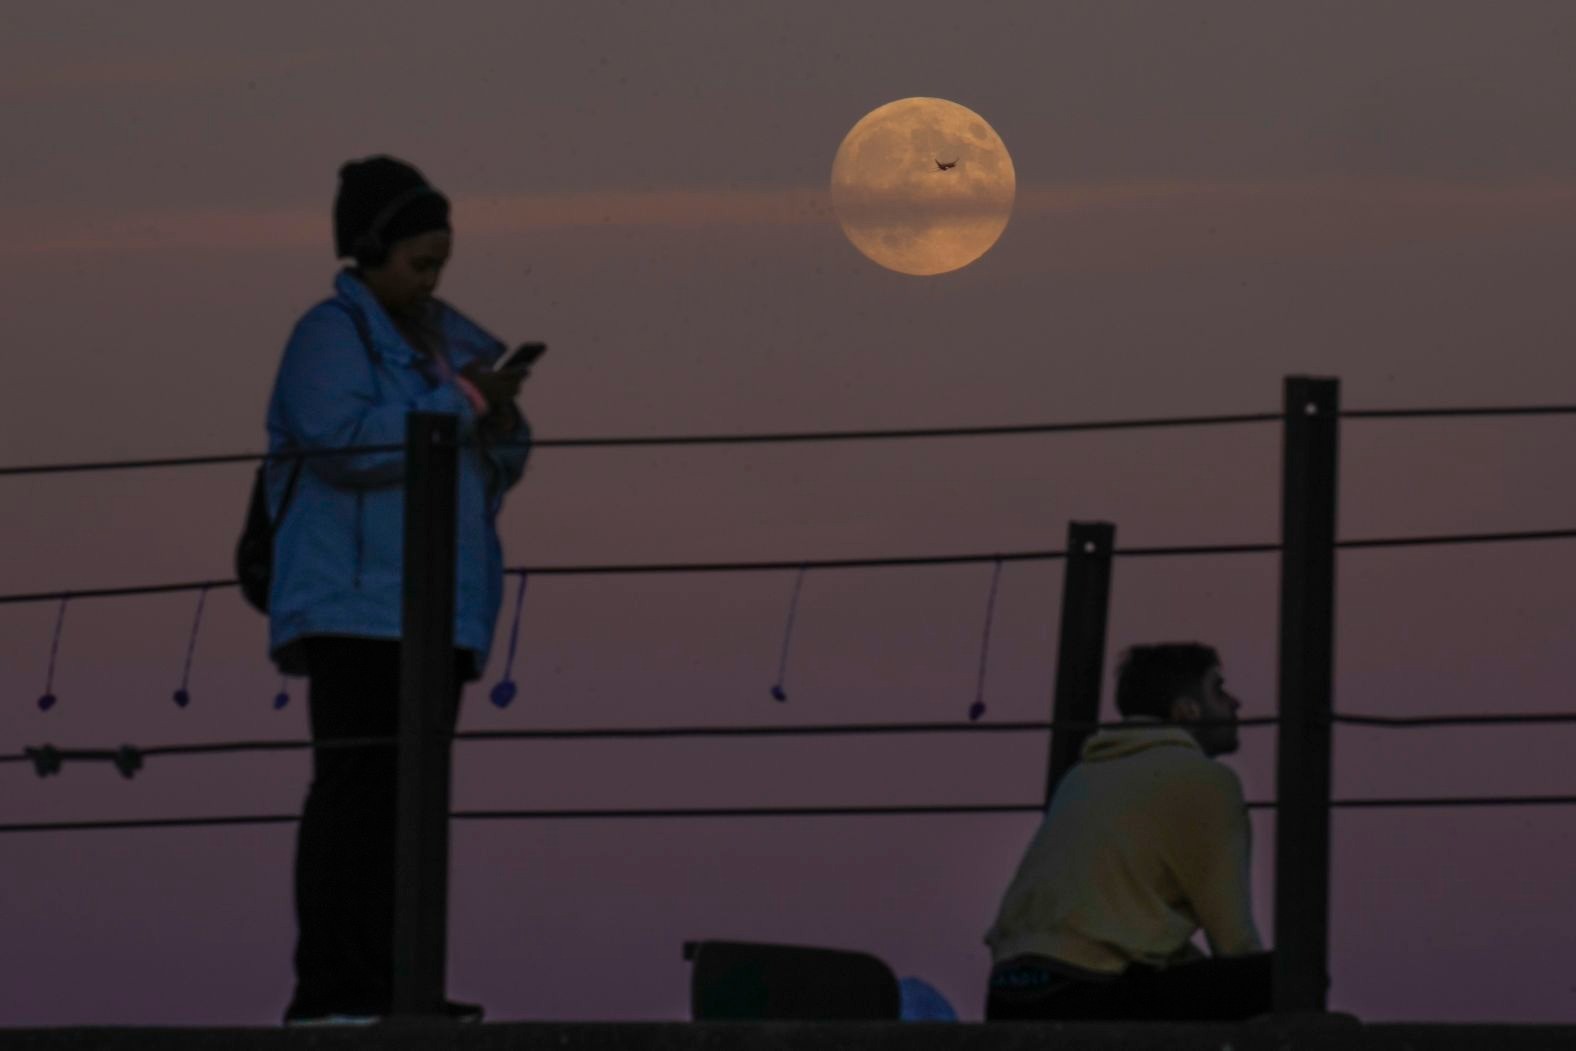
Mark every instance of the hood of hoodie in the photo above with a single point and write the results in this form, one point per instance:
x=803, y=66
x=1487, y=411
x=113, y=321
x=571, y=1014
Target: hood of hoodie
x=1140, y=736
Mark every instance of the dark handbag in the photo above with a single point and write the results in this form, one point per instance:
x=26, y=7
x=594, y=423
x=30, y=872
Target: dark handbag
x=254, y=552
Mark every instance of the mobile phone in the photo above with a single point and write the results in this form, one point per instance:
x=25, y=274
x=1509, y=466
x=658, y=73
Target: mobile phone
x=524, y=356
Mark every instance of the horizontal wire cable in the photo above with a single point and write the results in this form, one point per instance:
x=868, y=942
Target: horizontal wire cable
x=191, y=461
x=1405, y=722
x=1459, y=538
x=121, y=592
x=989, y=431
x=633, y=569
x=1401, y=802
x=765, y=811
x=784, y=437
x=520, y=815
x=778, y=565
x=775, y=730
x=1195, y=549
x=832, y=729
x=206, y=748
x=150, y=823
x=612, y=733
x=1470, y=410
x=778, y=730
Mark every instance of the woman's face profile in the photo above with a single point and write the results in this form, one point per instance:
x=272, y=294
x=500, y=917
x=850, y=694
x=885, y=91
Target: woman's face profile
x=406, y=281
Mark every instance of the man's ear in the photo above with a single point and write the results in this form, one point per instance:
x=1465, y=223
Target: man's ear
x=1185, y=709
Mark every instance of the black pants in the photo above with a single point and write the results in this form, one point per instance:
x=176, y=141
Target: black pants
x=344, y=872
x=1222, y=988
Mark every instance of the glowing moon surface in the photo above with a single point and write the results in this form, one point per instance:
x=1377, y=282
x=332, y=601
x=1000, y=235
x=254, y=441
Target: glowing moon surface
x=923, y=186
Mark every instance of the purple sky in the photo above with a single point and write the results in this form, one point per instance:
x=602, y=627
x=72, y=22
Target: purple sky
x=1210, y=196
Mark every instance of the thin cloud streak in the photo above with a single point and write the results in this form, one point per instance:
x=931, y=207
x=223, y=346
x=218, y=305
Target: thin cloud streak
x=1134, y=227
x=1288, y=214
x=131, y=72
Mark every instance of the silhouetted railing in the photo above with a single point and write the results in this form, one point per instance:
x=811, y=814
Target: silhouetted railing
x=1306, y=720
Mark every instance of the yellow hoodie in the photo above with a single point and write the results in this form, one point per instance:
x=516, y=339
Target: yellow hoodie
x=1145, y=841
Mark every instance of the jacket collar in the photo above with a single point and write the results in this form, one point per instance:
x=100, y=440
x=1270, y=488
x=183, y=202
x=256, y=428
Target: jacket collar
x=387, y=340
x=465, y=338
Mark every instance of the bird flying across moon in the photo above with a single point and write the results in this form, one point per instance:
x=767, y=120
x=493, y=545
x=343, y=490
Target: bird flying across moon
x=945, y=166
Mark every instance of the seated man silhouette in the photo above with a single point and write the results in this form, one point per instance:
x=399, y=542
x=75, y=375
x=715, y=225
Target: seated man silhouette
x=1145, y=842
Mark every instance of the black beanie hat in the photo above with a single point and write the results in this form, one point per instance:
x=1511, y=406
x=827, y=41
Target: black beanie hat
x=383, y=200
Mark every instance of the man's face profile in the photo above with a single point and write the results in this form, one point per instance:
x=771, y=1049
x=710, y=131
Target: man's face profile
x=1215, y=705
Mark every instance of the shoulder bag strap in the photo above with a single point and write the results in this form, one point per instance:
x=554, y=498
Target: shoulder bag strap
x=358, y=319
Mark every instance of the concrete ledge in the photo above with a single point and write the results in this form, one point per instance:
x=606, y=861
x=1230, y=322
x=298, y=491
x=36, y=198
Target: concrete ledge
x=1315, y=1033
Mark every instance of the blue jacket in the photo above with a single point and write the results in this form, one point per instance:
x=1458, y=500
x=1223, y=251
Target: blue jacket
x=338, y=552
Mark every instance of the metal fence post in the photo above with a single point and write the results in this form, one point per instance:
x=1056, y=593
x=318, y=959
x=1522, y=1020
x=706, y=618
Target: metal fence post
x=427, y=671
x=1307, y=629
x=1080, y=658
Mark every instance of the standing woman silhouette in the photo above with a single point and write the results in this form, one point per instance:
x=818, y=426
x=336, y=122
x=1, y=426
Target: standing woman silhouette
x=355, y=365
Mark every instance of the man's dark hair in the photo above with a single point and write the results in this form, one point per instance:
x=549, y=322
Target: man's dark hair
x=1151, y=677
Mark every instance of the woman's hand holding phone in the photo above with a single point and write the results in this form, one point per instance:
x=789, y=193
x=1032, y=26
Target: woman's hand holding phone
x=501, y=385
x=499, y=388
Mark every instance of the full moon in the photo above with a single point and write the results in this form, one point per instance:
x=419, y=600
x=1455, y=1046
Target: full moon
x=923, y=186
